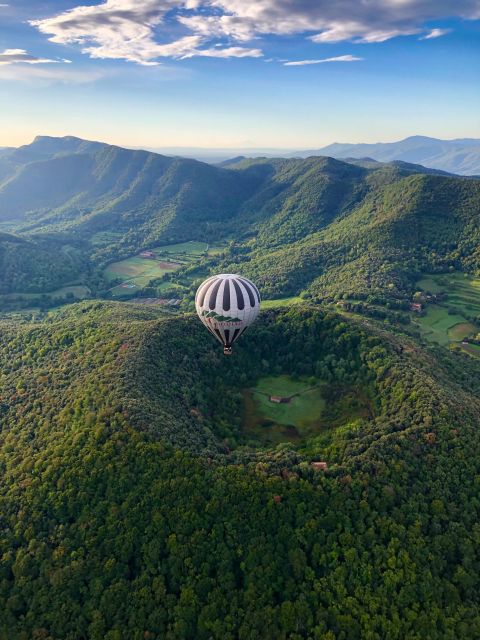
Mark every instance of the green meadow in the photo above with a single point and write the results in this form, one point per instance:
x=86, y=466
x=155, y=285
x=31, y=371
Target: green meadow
x=453, y=319
x=78, y=291
x=281, y=302
x=136, y=272
x=313, y=406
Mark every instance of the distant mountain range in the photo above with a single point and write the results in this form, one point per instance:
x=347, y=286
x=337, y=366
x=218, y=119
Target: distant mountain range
x=461, y=156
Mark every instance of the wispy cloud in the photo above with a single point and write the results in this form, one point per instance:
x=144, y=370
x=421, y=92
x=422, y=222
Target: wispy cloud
x=435, y=33
x=47, y=76
x=141, y=32
x=15, y=56
x=301, y=63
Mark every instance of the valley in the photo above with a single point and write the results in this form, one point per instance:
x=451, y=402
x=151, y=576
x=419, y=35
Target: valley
x=151, y=265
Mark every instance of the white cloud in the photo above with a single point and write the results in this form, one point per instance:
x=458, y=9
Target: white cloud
x=360, y=34
x=435, y=33
x=365, y=21
x=125, y=29
x=140, y=31
x=228, y=52
x=301, y=63
x=46, y=76
x=15, y=56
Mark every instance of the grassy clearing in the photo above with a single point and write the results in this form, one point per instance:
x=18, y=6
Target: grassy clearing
x=460, y=331
x=79, y=292
x=281, y=302
x=437, y=323
x=103, y=238
x=186, y=248
x=463, y=298
x=305, y=406
x=136, y=272
x=314, y=406
x=137, y=268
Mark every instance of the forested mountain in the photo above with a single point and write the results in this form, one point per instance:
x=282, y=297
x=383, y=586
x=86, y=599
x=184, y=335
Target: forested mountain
x=460, y=156
x=415, y=223
x=97, y=186
x=294, y=222
x=124, y=515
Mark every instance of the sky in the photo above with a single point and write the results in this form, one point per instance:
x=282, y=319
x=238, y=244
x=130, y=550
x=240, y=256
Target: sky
x=286, y=74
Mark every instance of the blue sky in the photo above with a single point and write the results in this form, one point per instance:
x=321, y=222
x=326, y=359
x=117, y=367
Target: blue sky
x=239, y=73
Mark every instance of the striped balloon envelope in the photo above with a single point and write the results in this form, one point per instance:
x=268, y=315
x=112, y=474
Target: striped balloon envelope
x=227, y=304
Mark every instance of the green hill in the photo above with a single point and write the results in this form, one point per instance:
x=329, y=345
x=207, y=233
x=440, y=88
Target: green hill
x=37, y=265
x=380, y=246
x=132, y=507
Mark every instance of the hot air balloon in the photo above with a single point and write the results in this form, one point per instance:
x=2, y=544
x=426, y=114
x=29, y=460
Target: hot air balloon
x=227, y=304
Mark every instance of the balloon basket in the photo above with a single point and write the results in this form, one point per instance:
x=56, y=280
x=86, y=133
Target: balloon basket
x=227, y=351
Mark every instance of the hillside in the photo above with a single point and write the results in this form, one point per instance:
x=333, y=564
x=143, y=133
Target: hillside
x=318, y=225
x=94, y=186
x=37, y=265
x=415, y=223
x=460, y=156
x=124, y=515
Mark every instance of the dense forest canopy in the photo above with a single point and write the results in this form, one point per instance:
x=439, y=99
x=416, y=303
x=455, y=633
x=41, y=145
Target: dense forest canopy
x=131, y=507
x=143, y=493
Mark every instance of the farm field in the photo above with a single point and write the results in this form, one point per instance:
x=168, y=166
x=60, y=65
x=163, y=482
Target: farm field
x=471, y=349
x=313, y=407
x=78, y=291
x=463, y=300
x=136, y=272
x=305, y=406
x=184, y=248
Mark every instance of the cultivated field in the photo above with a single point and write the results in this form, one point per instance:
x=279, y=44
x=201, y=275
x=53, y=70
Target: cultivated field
x=136, y=272
x=454, y=318
x=305, y=406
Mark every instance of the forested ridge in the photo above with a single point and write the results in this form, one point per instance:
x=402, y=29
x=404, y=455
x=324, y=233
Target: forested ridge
x=319, y=226
x=131, y=507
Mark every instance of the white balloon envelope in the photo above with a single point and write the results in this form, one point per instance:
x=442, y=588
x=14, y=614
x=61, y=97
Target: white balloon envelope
x=227, y=304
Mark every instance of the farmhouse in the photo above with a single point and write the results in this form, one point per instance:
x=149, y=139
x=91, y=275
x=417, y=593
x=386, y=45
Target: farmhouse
x=320, y=466
x=279, y=399
x=416, y=306
x=147, y=254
